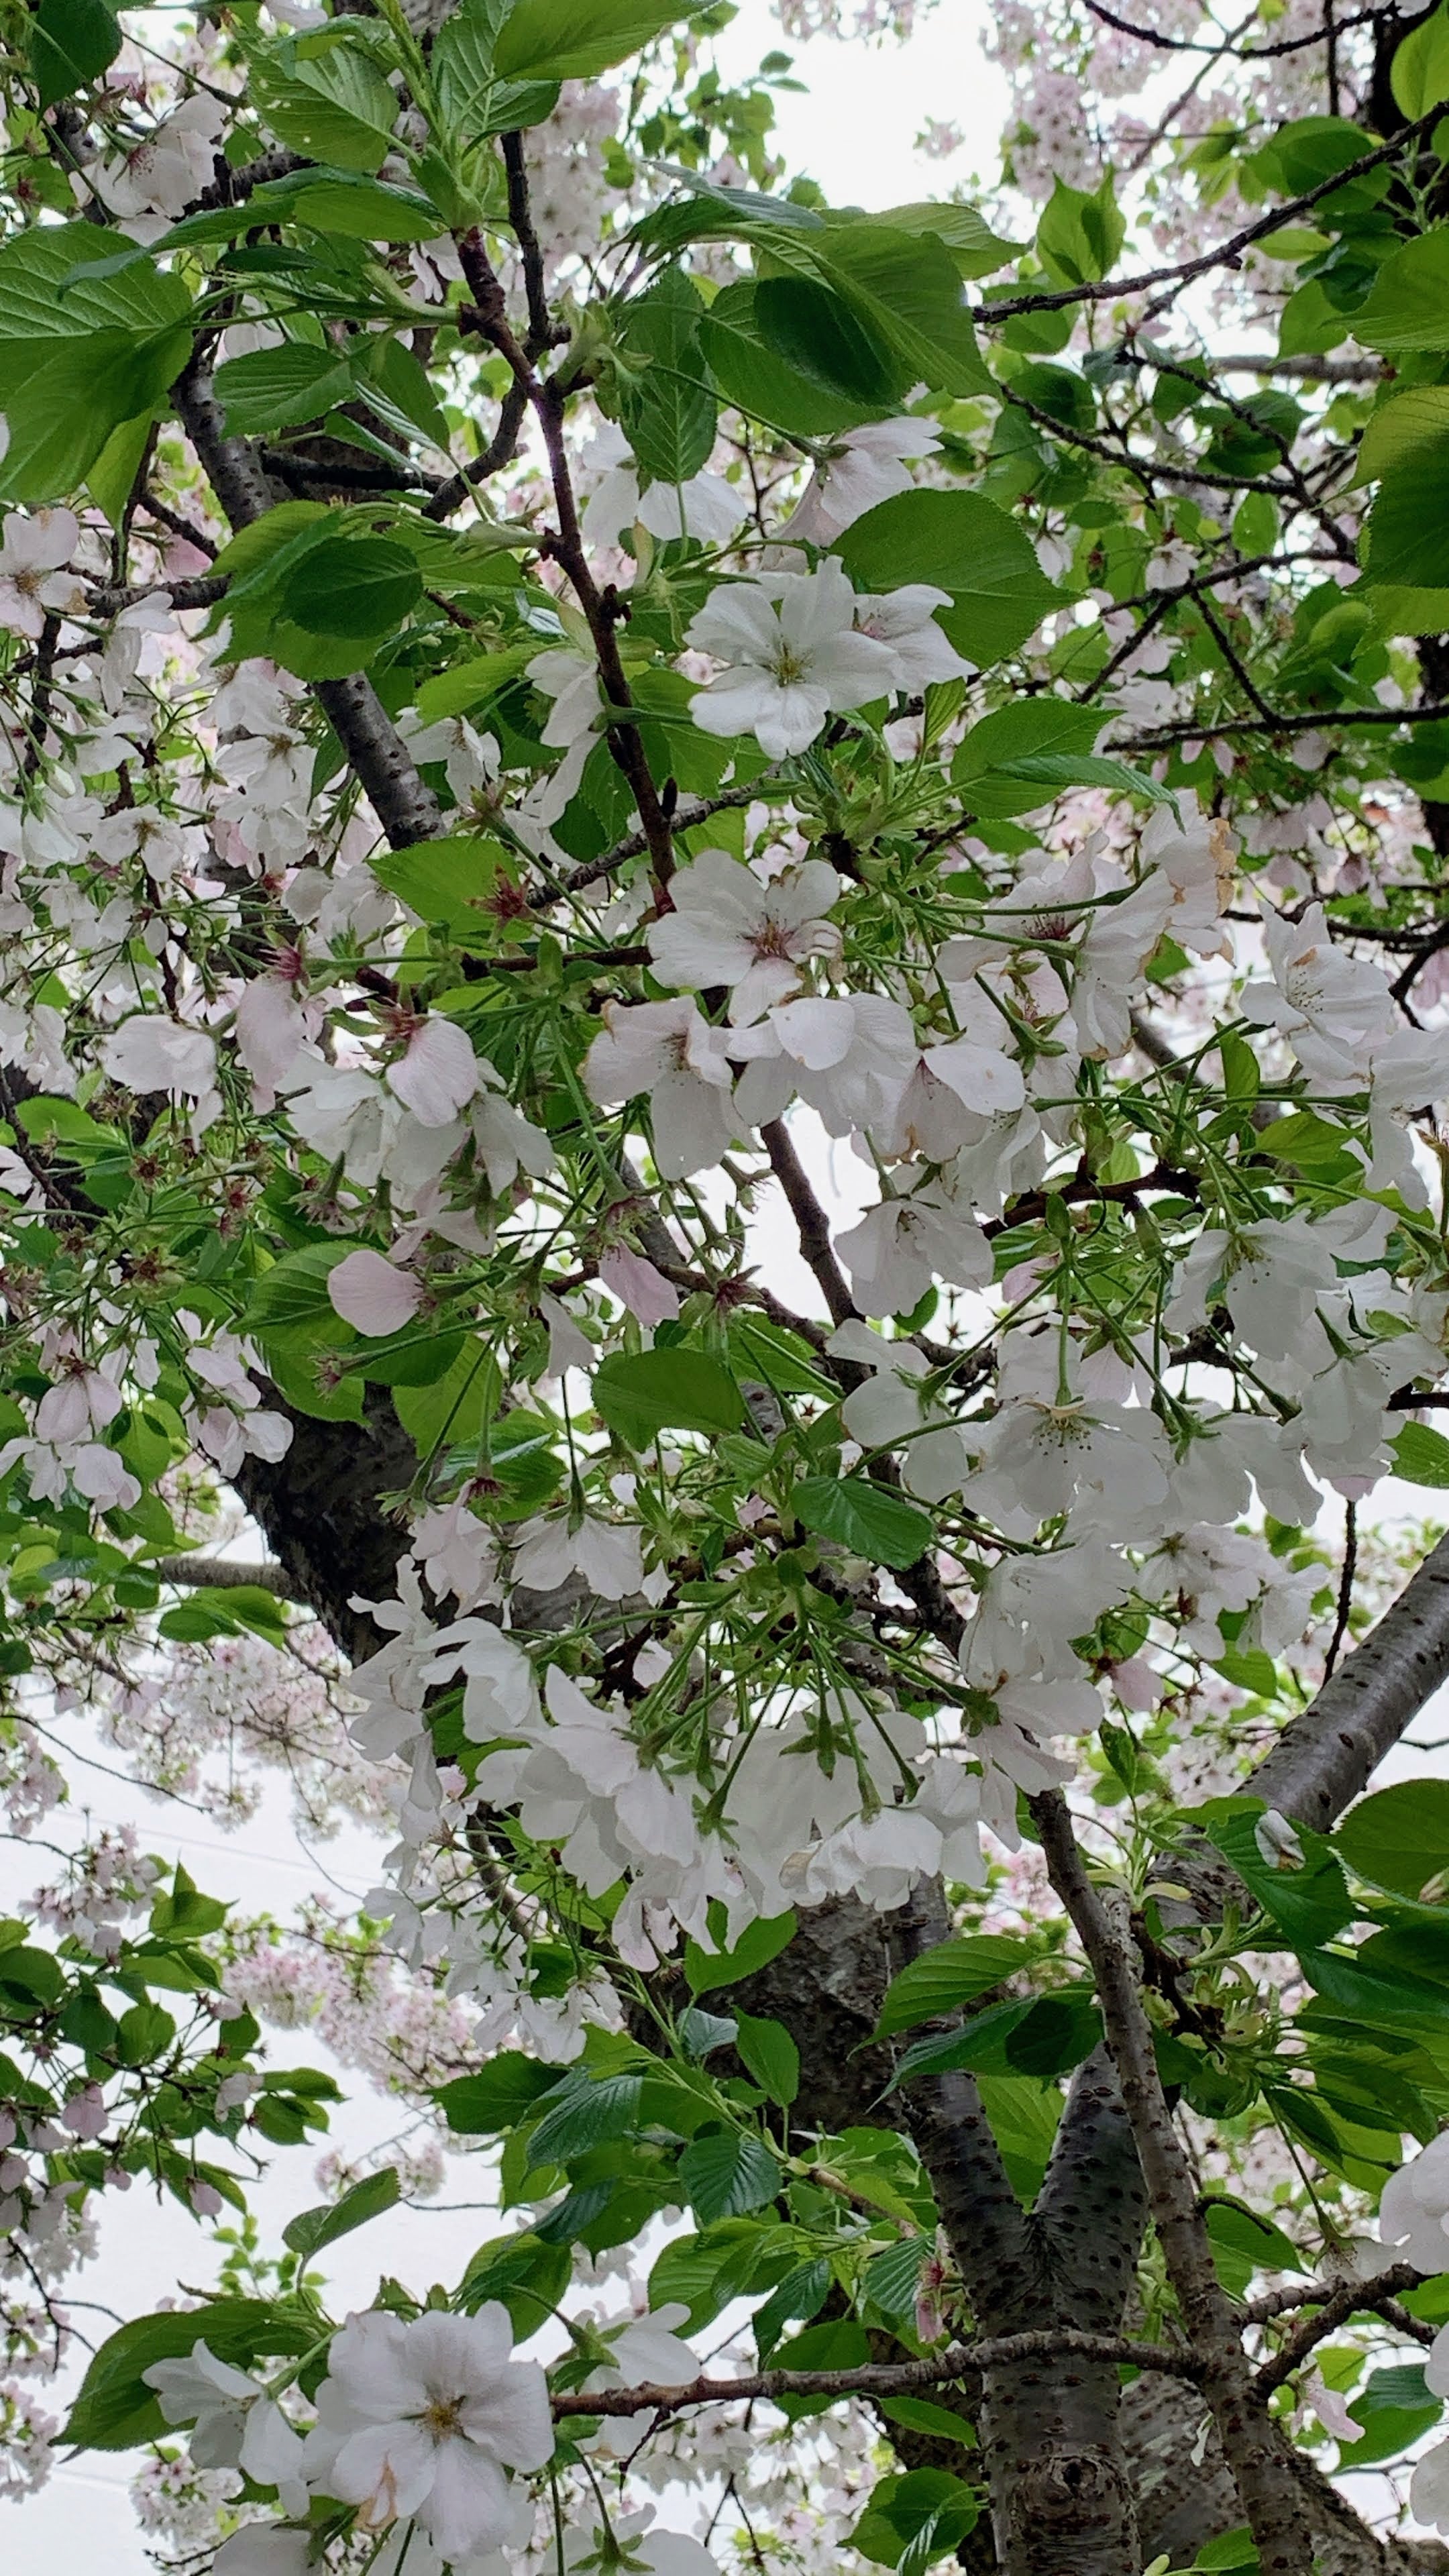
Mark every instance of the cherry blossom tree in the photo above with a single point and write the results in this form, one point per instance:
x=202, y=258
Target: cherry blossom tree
x=724, y=974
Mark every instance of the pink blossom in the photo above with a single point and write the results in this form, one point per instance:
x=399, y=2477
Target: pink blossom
x=367, y=1291
x=439, y=1074
x=639, y=1286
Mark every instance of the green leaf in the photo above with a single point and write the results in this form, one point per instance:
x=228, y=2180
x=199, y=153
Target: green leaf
x=892, y=2278
x=840, y=2344
x=1419, y=72
x=976, y=250
x=763, y=385
x=340, y=201
x=1046, y=774
x=868, y=1518
x=921, y=2415
x=1389, y=1996
x=668, y=411
x=1407, y=537
x=294, y=1290
x=29, y=1976
x=529, y=2276
x=1231, y=2555
x=801, y=2294
x=726, y=2173
x=1243, y=2243
x=71, y=43
x=913, y=2520
x=354, y=588
x=758, y=1944
x=771, y=2056
x=472, y=684
x=908, y=290
x=963, y=543
x=327, y=100
x=311, y=2229
x=576, y=39
x=452, y=1408
x=1402, y=429
x=980, y=2042
x=820, y=335
x=1421, y=1455
x=501, y=2093
x=217, y=1610
x=1057, y=2033
x=111, y=480
x=1024, y=2115
x=585, y=2112
x=1079, y=237
x=1394, y=2407
x=954, y=1973
x=64, y=413
x=1309, y=1904
x=988, y=765
x=471, y=99
x=676, y=1389
x=1408, y=304
x=1399, y=1838
x=447, y=880
x=1026, y=727
x=271, y=388
x=115, y=2409
x=780, y=1358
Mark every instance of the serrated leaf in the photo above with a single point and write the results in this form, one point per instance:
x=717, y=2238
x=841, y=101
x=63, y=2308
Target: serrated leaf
x=673, y=1389
x=577, y=39
x=727, y=2173
x=1421, y=1455
x=768, y=2051
x=585, y=2111
x=757, y=1945
x=311, y=2229
x=1399, y=1837
x=500, y=2093
x=800, y=2295
x=71, y=43
x=270, y=389
x=868, y=1518
x=954, y=1973
x=963, y=543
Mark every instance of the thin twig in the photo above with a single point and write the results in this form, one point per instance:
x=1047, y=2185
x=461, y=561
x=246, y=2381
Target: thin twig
x=1345, y=1587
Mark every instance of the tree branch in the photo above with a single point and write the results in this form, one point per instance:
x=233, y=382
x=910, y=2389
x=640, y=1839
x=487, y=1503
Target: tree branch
x=879, y=2379
x=1326, y=1756
x=1272, y=2507
x=226, y=1574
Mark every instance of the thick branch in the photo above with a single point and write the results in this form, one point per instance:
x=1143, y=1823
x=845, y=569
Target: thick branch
x=1269, y=2501
x=1327, y=1755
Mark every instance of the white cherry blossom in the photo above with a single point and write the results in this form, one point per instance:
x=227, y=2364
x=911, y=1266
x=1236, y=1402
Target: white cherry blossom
x=422, y=2416
x=857, y=472
x=899, y=1247
x=669, y=1051
x=729, y=927
x=791, y=657
x=33, y=582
